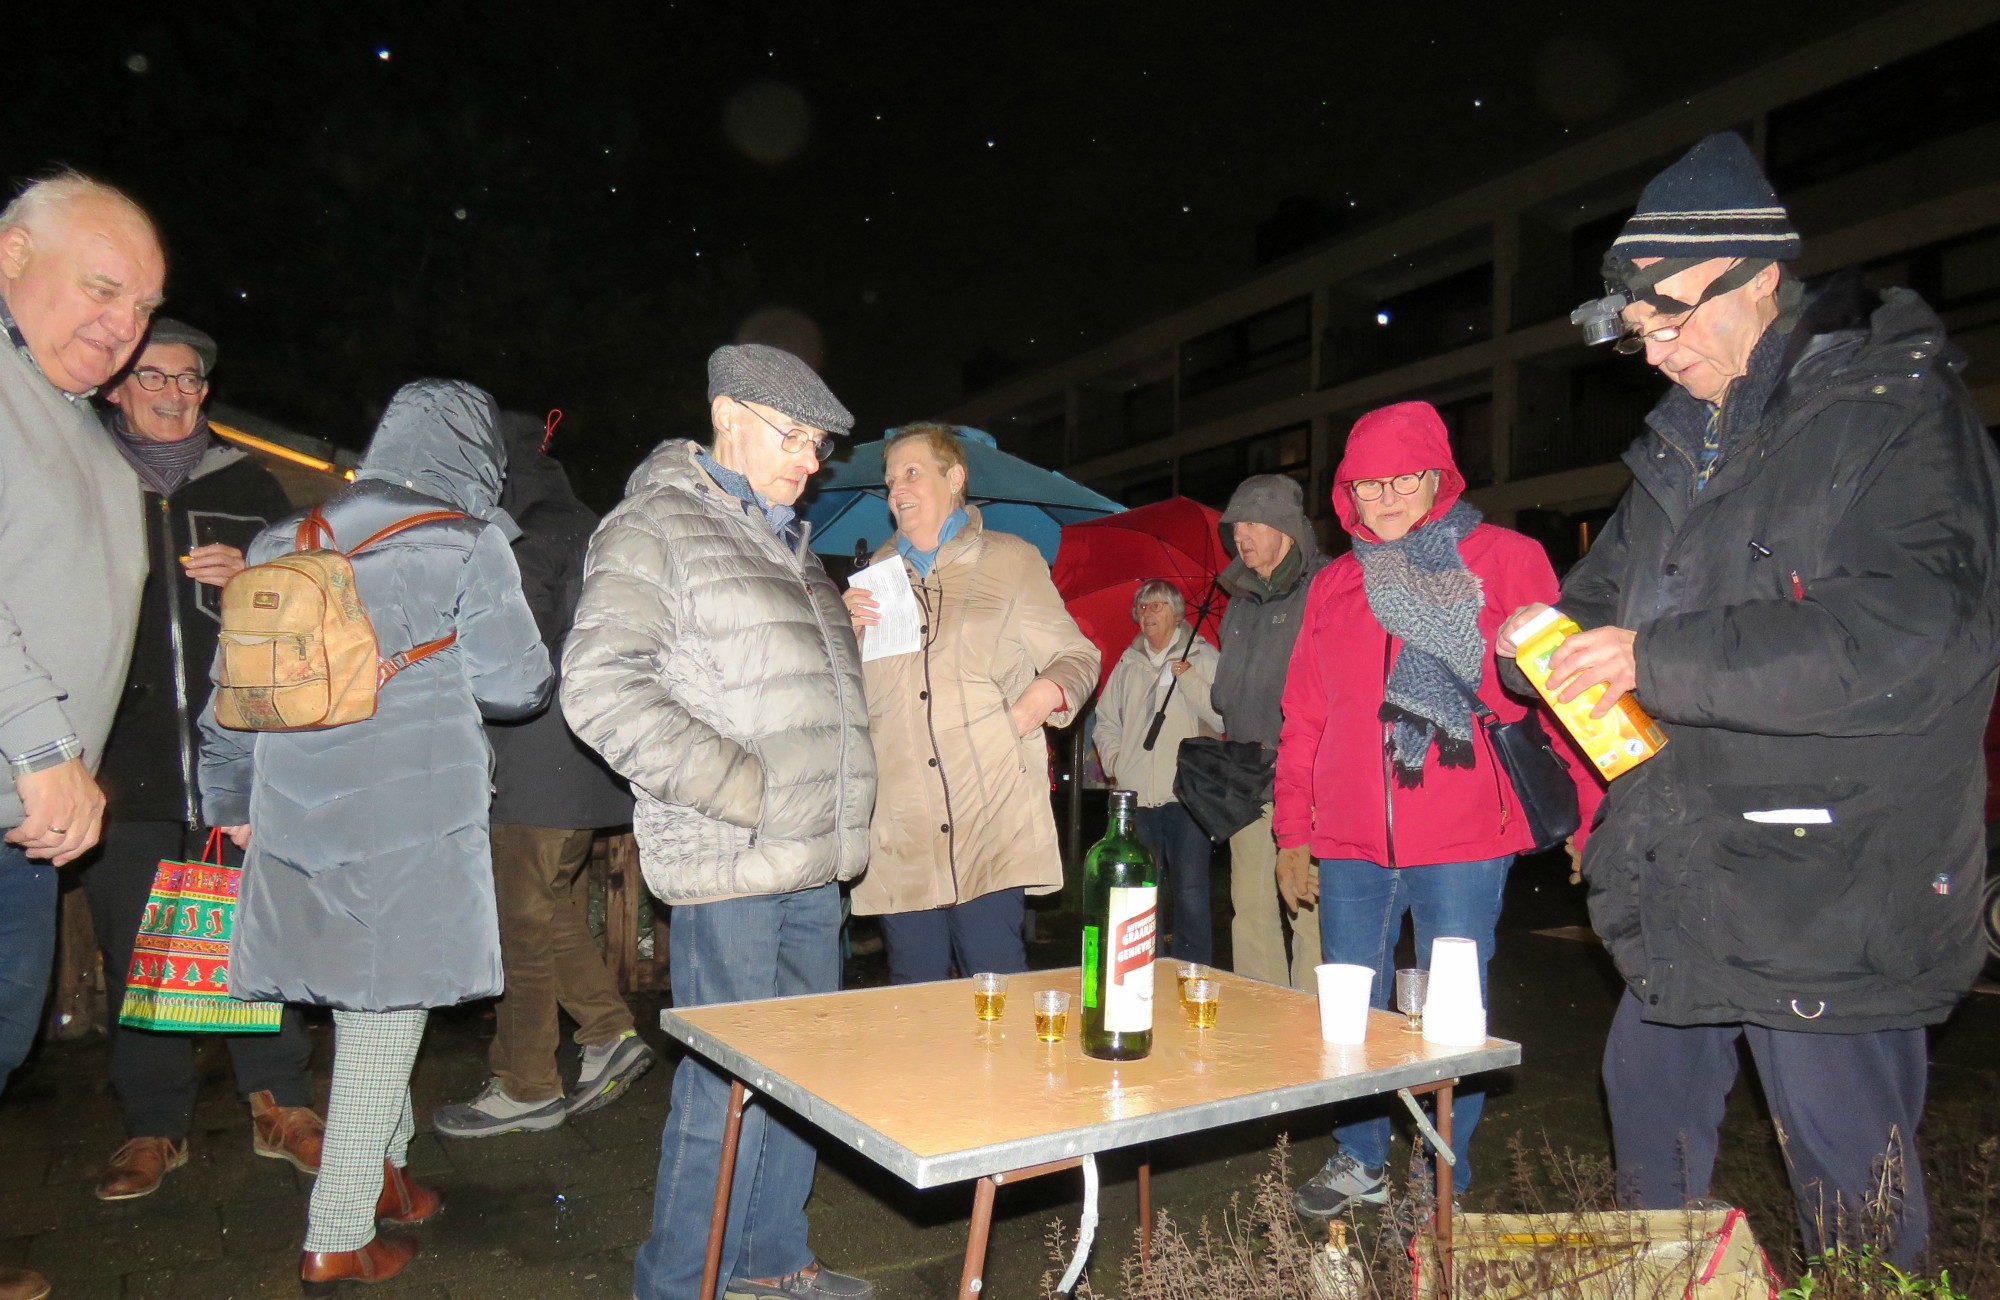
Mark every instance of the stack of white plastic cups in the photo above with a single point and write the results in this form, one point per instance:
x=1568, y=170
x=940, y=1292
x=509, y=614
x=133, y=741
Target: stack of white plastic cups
x=1454, y=1011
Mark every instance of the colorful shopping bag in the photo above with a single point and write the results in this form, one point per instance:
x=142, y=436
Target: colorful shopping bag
x=179, y=981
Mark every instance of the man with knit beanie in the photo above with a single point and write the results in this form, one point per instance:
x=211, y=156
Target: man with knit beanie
x=203, y=502
x=1800, y=586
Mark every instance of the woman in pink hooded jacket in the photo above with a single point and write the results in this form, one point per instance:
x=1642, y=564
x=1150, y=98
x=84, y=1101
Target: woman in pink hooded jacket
x=1385, y=778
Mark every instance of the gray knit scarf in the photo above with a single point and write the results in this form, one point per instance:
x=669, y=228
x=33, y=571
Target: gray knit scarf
x=163, y=466
x=1421, y=592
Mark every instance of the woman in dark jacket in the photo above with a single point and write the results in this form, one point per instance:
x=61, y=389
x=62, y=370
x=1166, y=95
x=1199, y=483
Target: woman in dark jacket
x=1384, y=775
x=367, y=883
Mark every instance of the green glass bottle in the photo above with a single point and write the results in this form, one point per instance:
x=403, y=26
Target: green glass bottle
x=1120, y=929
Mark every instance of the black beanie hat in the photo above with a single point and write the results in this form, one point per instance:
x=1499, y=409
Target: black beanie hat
x=1714, y=202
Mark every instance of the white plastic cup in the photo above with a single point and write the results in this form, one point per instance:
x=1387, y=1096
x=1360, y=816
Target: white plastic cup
x=1343, y=1001
x=1454, y=1012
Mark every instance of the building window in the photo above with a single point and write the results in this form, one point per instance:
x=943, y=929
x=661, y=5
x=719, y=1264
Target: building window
x=1368, y=337
x=1586, y=416
x=1947, y=89
x=1212, y=474
x=1470, y=424
x=1138, y=487
x=1037, y=439
x=1249, y=347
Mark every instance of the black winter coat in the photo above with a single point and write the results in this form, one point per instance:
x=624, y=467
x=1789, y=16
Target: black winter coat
x=1818, y=632
x=542, y=774
x=149, y=764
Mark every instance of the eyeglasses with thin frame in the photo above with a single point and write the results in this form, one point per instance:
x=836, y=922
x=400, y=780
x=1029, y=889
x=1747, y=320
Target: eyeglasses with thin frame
x=1633, y=342
x=793, y=440
x=191, y=382
x=1405, y=485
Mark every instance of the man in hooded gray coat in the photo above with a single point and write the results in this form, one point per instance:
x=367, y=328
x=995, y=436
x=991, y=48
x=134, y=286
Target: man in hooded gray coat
x=367, y=881
x=1276, y=555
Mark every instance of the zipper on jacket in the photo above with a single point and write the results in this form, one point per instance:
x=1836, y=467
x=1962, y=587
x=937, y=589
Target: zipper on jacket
x=190, y=815
x=1388, y=752
x=930, y=729
x=840, y=699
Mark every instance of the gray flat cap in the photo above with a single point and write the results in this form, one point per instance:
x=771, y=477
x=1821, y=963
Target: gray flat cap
x=167, y=330
x=756, y=372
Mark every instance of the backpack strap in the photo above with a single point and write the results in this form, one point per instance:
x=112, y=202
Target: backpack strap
x=401, y=525
x=397, y=663
x=313, y=533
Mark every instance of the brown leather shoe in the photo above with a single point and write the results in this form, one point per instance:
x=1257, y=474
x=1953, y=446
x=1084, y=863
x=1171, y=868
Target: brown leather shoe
x=20, y=1284
x=293, y=1133
x=137, y=1168
x=404, y=1202
x=322, y=1271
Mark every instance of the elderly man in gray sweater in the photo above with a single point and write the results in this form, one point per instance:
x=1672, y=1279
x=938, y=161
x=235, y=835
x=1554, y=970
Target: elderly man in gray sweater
x=80, y=273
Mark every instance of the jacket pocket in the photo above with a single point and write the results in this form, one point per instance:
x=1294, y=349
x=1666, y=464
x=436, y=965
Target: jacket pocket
x=1791, y=901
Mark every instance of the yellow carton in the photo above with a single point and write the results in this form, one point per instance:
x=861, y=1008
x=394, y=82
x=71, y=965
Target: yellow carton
x=1604, y=1255
x=1617, y=742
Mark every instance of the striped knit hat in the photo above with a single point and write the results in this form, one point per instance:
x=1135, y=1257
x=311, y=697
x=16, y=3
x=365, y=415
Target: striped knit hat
x=1714, y=202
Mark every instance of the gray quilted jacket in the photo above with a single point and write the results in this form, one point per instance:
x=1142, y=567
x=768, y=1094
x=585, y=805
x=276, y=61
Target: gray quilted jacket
x=713, y=666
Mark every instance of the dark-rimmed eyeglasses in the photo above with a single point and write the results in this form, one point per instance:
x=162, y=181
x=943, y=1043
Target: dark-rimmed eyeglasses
x=1404, y=485
x=793, y=441
x=152, y=380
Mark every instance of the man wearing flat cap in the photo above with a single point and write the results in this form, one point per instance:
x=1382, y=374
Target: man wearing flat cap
x=712, y=664
x=203, y=502
x=1801, y=586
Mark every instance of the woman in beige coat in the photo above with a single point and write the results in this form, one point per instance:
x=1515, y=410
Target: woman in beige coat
x=963, y=828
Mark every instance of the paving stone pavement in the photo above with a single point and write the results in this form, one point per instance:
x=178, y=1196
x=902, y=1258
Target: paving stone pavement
x=558, y=1215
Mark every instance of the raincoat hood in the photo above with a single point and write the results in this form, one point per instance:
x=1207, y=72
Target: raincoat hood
x=533, y=477
x=441, y=437
x=1406, y=438
x=1275, y=500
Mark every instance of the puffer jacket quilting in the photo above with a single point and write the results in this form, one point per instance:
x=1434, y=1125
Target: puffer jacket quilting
x=713, y=666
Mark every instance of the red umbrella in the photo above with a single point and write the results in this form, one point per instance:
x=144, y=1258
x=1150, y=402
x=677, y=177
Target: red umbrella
x=1101, y=563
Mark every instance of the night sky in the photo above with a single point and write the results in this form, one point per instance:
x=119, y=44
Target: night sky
x=570, y=204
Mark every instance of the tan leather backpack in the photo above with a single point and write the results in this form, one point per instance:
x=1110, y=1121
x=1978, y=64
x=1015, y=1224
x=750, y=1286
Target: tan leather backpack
x=297, y=652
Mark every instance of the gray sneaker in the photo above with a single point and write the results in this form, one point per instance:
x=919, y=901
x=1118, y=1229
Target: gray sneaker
x=813, y=1282
x=1340, y=1184
x=493, y=1112
x=607, y=1070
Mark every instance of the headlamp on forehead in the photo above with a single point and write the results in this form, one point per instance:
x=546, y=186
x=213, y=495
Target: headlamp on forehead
x=1600, y=318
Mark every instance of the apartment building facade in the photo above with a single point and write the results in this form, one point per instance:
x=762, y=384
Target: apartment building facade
x=1884, y=141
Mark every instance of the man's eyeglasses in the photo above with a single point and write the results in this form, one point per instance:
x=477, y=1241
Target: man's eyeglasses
x=1634, y=342
x=794, y=440
x=154, y=381
x=1370, y=489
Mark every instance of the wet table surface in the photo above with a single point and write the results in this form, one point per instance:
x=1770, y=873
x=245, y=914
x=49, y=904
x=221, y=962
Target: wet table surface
x=908, y=1077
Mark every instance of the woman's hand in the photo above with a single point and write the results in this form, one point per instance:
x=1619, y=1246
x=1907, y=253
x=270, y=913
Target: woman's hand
x=1298, y=878
x=1181, y=666
x=214, y=564
x=238, y=835
x=862, y=610
x=1042, y=698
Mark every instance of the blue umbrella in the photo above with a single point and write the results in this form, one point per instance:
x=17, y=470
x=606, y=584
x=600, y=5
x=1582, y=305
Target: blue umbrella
x=850, y=506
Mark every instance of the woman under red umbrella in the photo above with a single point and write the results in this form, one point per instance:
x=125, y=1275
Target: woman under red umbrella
x=1384, y=776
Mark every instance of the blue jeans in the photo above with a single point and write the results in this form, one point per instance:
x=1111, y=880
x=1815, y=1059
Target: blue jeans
x=27, y=952
x=1361, y=909
x=740, y=949
x=982, y=934
x=1182, y=850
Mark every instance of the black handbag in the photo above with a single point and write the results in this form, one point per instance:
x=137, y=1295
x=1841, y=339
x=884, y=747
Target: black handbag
x=1543, y=784
x=1223, y=784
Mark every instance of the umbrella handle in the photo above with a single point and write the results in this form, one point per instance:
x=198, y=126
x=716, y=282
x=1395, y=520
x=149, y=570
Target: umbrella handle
x=1159, y=719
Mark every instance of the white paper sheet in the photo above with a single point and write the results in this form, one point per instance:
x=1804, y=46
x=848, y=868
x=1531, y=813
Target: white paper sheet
x=900, y=631
x=1791, y=817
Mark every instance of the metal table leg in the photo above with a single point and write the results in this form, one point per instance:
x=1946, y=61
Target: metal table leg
x=718, y=1218
x=1444, y=1189
x=972, y=1279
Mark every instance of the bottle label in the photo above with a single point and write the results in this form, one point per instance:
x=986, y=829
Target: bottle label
x=1128, y=992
